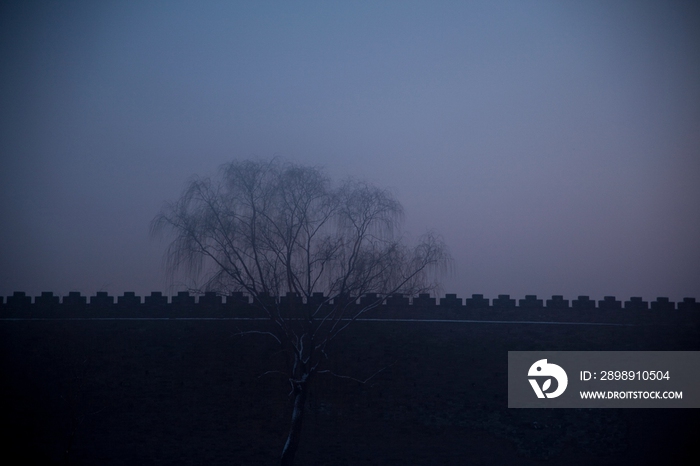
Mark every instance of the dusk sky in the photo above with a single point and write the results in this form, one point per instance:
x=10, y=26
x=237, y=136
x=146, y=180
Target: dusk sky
x=555, y=145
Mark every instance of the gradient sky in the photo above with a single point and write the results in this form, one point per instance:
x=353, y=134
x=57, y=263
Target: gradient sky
x=555, y=145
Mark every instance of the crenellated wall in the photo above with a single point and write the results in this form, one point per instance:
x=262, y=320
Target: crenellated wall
x=176, y=380
x=185, y=304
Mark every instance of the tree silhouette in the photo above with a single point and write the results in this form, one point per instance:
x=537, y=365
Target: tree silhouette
x=270, y=228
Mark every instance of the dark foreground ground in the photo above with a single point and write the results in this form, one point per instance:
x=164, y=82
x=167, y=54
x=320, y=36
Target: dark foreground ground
x=176, y=392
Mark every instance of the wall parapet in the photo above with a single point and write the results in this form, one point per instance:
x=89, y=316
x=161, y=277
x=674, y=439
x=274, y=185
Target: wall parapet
x=184, y=303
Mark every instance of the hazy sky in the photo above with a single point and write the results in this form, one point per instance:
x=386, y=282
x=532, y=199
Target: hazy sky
x=554, y=144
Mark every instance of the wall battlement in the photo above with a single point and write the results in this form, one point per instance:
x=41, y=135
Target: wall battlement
x=186, y=304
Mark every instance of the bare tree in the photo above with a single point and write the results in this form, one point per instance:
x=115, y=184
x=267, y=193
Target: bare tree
x=273, y=228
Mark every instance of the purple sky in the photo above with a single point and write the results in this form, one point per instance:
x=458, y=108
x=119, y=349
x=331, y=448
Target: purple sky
x=554, y=144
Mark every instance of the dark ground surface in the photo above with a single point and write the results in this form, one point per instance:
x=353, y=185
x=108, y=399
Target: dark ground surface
x=188, y=392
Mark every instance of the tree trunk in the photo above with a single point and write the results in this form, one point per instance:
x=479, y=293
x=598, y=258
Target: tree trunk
x=290, y=447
